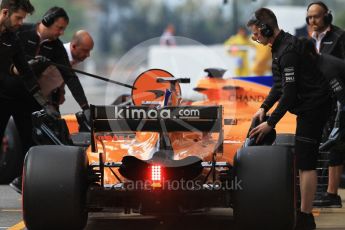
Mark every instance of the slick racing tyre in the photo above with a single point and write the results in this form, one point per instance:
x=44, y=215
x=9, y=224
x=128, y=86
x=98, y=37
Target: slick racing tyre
x=11, y=156
x=266, y=198
x=54, y=187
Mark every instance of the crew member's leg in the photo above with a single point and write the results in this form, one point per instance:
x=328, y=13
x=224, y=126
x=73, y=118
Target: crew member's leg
x=336, y=161
x=4, y=116
x=308, y=137
x=22, y=118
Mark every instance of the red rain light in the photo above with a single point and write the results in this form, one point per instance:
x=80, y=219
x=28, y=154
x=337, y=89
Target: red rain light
x=156, y=173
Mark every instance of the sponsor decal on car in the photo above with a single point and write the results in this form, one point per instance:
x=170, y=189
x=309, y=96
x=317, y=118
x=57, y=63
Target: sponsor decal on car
x=152, y=113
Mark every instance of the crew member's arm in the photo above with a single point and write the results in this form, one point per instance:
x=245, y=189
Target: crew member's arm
x=20, y=64
x=274, y=94
x=333, y=69
x=290, y=71
x=270, y=100
x=30, y=80
x=71, y=79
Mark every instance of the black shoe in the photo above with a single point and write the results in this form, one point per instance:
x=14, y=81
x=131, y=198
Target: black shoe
x=328, y=200
x=305, y=221
x=16, y=184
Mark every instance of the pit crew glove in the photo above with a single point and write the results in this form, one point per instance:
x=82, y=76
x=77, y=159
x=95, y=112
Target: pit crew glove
x=39, y=64
x=49, y=109
x=42, y=59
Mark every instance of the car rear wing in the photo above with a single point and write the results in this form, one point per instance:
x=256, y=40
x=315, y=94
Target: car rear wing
x=129, y=119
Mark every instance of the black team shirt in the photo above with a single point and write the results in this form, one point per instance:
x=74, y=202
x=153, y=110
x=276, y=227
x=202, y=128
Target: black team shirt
x=55, y=51
x=11, y=52
x=297, y=85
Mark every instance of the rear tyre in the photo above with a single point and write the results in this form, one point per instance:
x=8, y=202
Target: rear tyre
x=54, y=187
x=266, y=197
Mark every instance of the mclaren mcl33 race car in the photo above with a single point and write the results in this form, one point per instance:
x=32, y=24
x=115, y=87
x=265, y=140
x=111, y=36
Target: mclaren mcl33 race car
x=160, y=155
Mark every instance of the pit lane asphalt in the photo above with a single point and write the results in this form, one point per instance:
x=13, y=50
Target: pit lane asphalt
x=11, y=217
x=220, y=218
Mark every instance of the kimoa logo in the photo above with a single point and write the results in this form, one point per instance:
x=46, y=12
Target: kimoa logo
x=134, y=113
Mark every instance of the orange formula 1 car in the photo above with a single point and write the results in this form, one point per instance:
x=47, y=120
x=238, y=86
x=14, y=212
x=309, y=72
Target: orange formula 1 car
x=240, y=97
x=159, y=156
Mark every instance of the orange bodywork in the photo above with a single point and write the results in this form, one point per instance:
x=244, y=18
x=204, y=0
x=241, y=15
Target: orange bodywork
x=147, y=89
x=240, y=100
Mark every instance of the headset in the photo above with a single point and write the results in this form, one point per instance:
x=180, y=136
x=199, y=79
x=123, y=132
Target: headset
x=265, y=29
x=50, y=17
x=327, y=18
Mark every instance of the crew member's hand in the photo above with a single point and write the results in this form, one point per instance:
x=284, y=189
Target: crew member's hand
x=39, y=64
x=51, y=111
x=39, y=59
x=259, y=114
x=42, y=59
x=33, y=62
x=260, y=131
